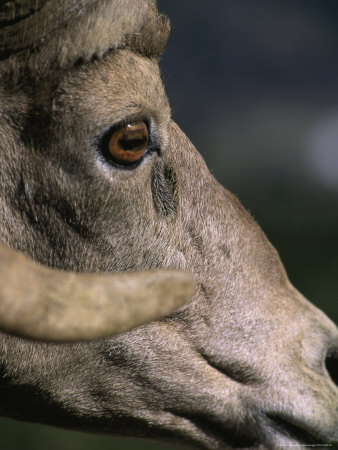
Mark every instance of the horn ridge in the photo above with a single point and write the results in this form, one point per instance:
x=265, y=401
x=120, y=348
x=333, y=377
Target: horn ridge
x=58, y=33
x=24, y=27
x=15, y=11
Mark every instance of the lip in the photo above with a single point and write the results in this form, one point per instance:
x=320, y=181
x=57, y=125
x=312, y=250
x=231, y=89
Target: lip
x=222, y=435
x=331, y=362
x=280, y=433
x=295, y=432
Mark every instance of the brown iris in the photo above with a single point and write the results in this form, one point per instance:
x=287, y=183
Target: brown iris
x=128, y=143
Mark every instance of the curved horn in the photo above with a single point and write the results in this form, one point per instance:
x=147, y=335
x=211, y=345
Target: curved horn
x=42, y=303
x=53, y=33
x=24, y=24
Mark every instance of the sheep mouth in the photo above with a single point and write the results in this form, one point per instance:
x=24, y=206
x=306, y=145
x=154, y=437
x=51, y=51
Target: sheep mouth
x=295, y=432
x=229, y=436
x=221, y=435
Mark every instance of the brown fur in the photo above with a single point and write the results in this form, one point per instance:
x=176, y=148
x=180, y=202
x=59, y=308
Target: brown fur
x=243, y=364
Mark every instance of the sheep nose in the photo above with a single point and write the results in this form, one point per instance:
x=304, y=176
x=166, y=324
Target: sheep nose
x=331, y=362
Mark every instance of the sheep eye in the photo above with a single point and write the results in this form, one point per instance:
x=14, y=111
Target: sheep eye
x=129, y=143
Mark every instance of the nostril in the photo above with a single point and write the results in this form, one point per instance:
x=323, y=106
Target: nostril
x=331, y=363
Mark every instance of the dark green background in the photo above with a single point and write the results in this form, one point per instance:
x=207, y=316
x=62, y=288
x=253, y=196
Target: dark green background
x=250, y=82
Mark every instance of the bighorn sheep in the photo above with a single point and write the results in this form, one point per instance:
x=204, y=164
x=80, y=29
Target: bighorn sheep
x=95, y=177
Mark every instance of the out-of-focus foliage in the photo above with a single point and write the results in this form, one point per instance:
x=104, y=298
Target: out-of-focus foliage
x=255, y=86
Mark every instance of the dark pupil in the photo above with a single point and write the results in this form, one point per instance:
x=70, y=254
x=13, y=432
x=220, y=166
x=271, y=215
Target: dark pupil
x=132, y=144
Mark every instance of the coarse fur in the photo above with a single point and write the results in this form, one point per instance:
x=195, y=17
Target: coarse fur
x=243, y=364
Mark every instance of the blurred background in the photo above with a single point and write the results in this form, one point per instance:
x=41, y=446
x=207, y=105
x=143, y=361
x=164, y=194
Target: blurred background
x=254, y=84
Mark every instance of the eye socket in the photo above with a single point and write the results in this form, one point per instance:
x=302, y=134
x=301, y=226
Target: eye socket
x=128, y=143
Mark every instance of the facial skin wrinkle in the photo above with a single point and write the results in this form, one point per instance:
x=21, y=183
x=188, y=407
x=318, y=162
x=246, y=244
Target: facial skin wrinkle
x=164, y=190
x=196, y=240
